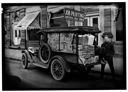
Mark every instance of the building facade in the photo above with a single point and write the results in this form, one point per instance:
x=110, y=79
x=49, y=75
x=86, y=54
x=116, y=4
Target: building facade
x=103, y=17
x=20, y=19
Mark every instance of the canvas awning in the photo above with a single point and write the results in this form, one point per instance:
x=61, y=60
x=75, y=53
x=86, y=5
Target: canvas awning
x=29, y=22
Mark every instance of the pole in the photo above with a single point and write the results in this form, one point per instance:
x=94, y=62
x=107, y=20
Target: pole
x=10, y=26
x=77, y=43
x=25, y=39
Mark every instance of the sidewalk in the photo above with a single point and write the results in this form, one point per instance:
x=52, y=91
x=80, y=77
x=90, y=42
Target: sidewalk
x=118, y=61
x=118, y=66
x=13, y=53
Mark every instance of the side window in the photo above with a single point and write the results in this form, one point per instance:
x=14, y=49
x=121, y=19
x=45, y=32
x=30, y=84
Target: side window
x=15, y=33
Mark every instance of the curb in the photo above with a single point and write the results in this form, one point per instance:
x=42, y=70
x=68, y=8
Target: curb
x=13, y=58
x=15, y=48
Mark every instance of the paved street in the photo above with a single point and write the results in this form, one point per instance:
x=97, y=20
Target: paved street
x=118, y=61
x=38, y=78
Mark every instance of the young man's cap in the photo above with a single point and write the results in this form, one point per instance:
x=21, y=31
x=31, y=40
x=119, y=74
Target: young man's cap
x=109, y=34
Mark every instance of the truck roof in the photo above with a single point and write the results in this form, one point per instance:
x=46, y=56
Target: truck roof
x=72, y=29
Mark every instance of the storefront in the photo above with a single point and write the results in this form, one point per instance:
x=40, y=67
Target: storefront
x=29, y=22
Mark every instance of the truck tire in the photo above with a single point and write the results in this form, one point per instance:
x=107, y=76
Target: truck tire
x=44, y=53
x=24, y=61
x=57, y=69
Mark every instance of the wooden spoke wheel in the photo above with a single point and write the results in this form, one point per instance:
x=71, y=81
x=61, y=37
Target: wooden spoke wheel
x=57, y=69
x=24, y=61
x=44, y=53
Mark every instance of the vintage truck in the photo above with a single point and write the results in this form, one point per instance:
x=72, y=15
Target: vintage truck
x=61, y=49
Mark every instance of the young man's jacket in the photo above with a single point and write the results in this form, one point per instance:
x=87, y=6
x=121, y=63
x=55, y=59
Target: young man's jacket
x=107, y=49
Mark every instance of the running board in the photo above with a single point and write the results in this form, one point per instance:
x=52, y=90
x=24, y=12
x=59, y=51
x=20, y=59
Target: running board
x=41, y=65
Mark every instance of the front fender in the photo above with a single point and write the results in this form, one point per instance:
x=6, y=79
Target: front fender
x=28, y=55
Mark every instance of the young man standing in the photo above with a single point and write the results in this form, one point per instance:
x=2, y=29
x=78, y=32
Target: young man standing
x=107, y=49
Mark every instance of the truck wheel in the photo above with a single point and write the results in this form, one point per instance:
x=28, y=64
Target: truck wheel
x=57, y=69
x=44, y=53
x=24, y=61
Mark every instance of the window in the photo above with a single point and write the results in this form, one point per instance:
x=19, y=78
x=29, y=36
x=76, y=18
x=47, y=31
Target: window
x=92, y=21
x=15, y=33
x=85, y=23
x=95, y=22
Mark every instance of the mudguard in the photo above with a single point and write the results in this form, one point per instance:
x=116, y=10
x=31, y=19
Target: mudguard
x=66, y=66
x=28, y=55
